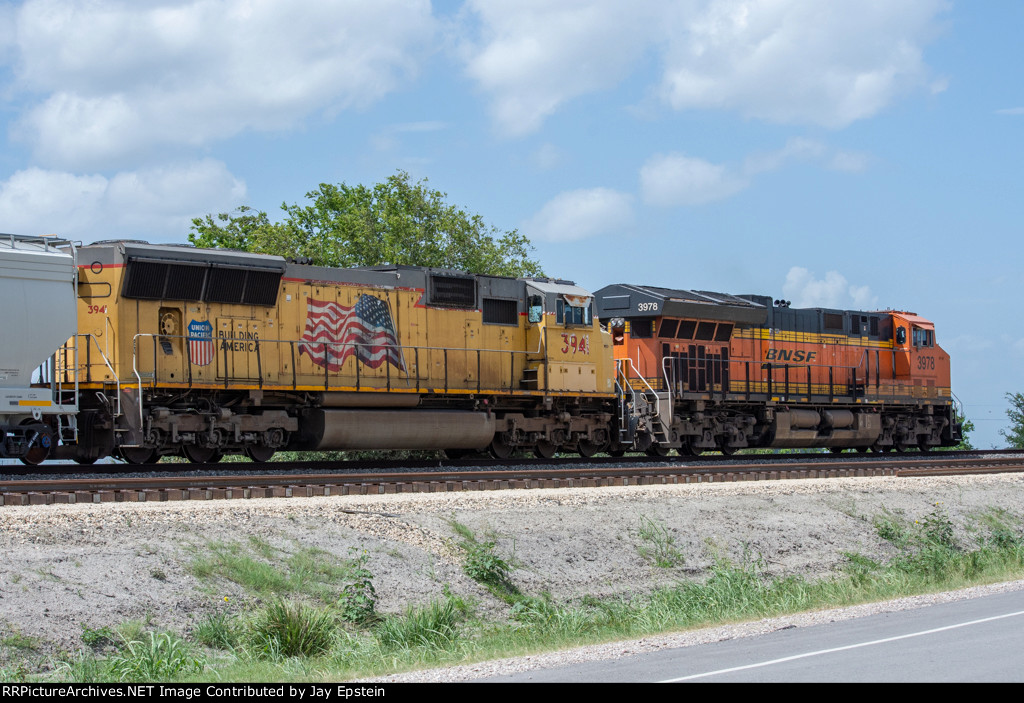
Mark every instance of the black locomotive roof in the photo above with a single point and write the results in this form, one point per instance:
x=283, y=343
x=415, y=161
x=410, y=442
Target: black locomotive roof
x=627, y=300
x=126, y=250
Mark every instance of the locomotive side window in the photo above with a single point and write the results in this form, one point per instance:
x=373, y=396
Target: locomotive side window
x=536, y=306
x=901, y=335
x=668, y=328
x=641, y=329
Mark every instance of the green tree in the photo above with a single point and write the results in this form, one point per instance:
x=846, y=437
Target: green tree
x=1015, y=435
x=392, y=223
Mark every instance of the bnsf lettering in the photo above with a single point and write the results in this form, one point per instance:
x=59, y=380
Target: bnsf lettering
x=796, y=355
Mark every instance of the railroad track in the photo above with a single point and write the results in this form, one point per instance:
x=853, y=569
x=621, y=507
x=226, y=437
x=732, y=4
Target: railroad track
x=554, y=474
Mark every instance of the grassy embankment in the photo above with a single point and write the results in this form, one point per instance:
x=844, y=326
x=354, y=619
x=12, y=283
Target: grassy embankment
x=317, y=619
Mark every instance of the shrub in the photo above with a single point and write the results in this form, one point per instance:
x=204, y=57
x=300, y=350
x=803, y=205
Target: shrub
x=358, y=600
x=285, y=629
x=156, y=658
x=434, y=627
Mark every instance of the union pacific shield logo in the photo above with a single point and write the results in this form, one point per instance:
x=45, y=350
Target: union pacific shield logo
x=200, y=342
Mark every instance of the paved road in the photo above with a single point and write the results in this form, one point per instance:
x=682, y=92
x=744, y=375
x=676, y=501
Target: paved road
x=968, y=641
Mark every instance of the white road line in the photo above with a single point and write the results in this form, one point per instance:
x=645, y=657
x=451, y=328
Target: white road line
x=840, y=649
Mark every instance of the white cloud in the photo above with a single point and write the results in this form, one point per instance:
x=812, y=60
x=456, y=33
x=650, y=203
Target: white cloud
x=155, y=204
x=676, y=179
x=120, y=77
x=580, y=214
x=534, y=55
x=1011, y=111
x=791, y=61
x=833, y=291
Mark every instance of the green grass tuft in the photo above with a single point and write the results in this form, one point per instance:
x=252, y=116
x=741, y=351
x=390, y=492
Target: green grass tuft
x=286, y=629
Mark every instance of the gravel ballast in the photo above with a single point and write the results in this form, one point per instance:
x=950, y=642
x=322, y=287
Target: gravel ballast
x=99, y=565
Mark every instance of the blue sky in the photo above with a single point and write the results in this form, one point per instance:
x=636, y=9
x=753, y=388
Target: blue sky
x=854, y=153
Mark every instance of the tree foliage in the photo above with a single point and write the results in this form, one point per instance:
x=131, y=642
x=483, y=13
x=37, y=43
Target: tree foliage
x=391, y=223
x=1015, y=435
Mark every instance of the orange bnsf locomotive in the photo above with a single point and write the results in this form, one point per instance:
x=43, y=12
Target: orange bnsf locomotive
x=723, y=372
x=203, y=353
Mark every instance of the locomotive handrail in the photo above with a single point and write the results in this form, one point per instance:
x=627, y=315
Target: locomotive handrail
x=657, y=398
x=293, y=344
x=673, y=381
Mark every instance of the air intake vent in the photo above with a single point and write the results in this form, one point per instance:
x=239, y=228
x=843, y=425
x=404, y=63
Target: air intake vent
x=261, y=287
x=453, y=291
x=150, y=279
x=146, y=280
x=226, y=286
x=185, y=282
x=501, y=312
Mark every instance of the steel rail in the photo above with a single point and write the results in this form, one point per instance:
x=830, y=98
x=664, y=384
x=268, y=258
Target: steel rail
x=162, y=488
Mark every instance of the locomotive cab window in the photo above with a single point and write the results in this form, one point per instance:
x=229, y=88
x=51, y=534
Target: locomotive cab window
x=571, y=312
x=923, y=337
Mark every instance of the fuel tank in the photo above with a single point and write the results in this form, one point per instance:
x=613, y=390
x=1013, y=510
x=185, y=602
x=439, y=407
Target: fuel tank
x=332, y=429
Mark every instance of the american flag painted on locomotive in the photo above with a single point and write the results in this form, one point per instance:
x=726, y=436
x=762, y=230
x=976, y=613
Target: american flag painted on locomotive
x=200, y=342
x=364, y=329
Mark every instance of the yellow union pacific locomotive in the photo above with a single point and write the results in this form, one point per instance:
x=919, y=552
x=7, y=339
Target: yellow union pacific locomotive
x=210, y=352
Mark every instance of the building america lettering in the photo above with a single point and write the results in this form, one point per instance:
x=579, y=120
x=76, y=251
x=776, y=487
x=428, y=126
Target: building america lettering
x=237, y=341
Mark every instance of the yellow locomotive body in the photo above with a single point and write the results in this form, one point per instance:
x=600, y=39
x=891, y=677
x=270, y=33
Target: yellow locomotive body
x=207, y=352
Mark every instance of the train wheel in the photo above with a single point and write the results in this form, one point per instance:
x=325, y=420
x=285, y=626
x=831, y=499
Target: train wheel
x=727, y=450
x=687, y=449
x=42, y=441
x=587, y=449
x=198, y=455
x=656, y=450
x=259, y=453
x=862, y=450
x=456, y=454
x=500, y=448
x=616, y=452
x=900, y=447
x=924, y=446
x=836, y=450
x=137, y=455
x=85, y=460
x=544, y=450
